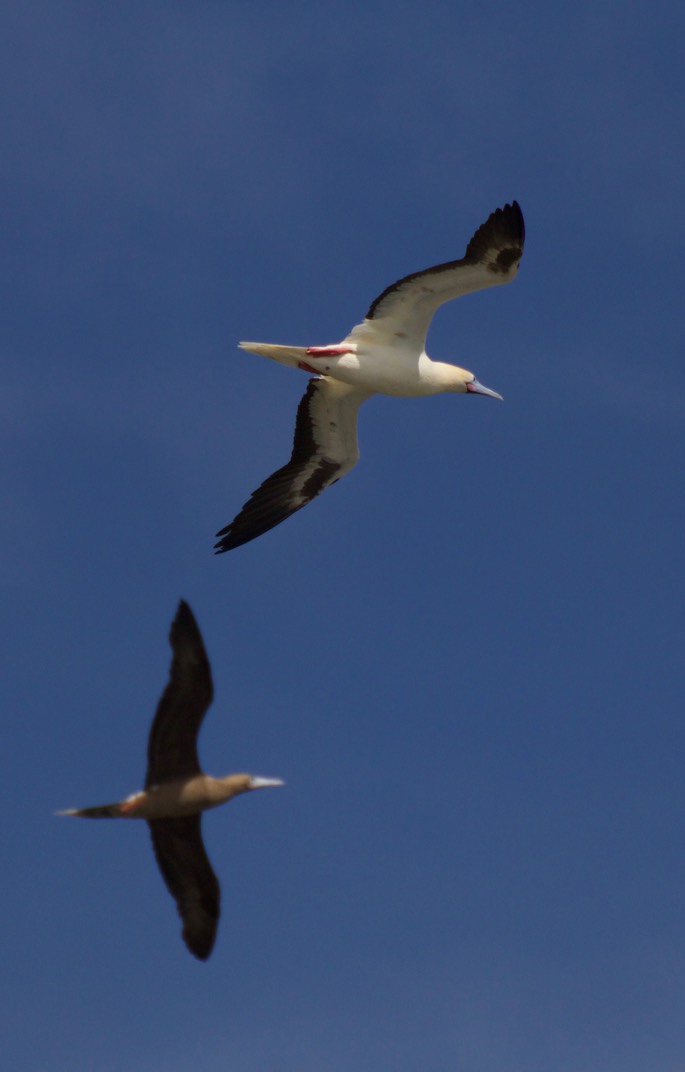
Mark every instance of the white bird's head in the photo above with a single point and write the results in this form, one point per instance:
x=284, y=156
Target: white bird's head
x=446, y=377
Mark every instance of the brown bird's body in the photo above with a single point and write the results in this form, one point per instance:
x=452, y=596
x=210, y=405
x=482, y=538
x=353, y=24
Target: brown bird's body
x=177, y=791
x=172, y=800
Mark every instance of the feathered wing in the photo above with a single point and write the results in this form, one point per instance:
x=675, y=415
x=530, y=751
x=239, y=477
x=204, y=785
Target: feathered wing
x=324, y=449
x=405, y=308
x=189, y=877
x=172, y=744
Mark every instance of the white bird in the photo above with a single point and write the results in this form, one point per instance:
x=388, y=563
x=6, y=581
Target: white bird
x=177, y=791
x=385, y=354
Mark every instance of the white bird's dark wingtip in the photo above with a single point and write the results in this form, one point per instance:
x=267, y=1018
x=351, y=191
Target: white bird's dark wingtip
x=504, y=234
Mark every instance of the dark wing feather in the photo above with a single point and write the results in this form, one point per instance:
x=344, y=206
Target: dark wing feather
x=324, y=449
x=504, y=232
x=189, y=877
x=172, y=744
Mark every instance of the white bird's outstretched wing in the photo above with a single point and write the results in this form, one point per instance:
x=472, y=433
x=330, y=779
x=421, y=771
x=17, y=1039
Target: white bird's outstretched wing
x=324, y=449
x=405, y=308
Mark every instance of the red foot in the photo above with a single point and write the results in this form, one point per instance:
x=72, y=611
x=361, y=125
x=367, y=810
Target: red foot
x=130, y=805
x=329, y=351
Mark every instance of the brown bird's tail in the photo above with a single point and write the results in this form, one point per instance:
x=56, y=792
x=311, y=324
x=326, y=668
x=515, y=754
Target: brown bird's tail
x=104, y=811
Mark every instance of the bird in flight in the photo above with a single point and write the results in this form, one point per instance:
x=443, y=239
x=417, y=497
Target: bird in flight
x=177, y=791
x=385, y=354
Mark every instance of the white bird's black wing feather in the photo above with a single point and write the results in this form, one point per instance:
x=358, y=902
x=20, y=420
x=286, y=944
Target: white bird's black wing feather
x=189, y=877
x=492, y=258
x=324, y=449
x=172, y=744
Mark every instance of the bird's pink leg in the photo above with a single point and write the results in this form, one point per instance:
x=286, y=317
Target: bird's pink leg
x=324, y=351
x=329, y=351
x=130, y=805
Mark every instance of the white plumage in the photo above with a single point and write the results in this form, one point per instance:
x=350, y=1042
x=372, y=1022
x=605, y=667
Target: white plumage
x=385, y=354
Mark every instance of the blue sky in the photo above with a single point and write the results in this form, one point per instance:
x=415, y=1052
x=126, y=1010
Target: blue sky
x=466, y=658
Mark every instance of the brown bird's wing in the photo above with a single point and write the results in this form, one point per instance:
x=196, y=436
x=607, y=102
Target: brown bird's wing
x=172, y=744
x=189, y=877
x=324, y=449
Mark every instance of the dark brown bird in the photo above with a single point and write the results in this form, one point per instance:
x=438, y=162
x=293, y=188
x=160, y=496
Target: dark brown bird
x=177, y=791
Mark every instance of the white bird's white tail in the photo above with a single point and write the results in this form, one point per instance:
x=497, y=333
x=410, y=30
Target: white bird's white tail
x=285, y=355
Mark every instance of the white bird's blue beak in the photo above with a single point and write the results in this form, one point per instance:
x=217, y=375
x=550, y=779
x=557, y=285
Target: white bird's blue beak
x=478, y=389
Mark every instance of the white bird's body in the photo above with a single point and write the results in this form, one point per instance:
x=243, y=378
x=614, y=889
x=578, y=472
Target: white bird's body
x=385, y=354
x=371, y=366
